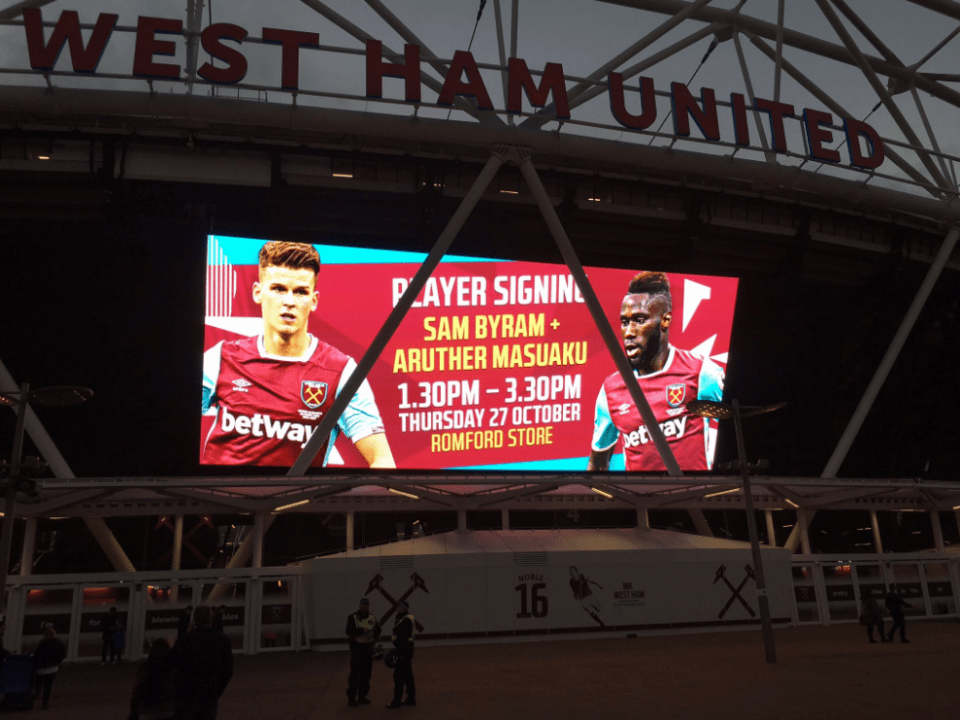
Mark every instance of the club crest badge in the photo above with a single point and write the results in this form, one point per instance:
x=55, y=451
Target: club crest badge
x=675, y=394
x=313, y=393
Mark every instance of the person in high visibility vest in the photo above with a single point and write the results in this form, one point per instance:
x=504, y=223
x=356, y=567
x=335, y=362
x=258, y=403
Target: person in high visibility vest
x=363, y=629
x=404, y=629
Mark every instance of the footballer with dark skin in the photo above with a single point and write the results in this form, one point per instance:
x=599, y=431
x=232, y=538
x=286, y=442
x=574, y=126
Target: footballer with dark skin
x=645, y=326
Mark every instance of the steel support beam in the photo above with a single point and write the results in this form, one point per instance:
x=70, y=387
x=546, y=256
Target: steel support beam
x=771, y=529
x=462, y=520
x=29, y=543
x=814, y=89
x=239, y=559
x=504, y=519
x=177, y=542
x=700, y=522
x=573, y=95
x=875, y=529
x=427, y=79
x=612, y=342
x=905, y=127
x=259, y=524
x=349, y=517
x=937, y=530
x=886, y=364
x=51, y=454
x=372, y=354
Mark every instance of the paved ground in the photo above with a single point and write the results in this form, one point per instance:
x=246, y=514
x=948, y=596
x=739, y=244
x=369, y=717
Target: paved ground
x=822, y=673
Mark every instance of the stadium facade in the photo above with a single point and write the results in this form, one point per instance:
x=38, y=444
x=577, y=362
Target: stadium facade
x=815, y=163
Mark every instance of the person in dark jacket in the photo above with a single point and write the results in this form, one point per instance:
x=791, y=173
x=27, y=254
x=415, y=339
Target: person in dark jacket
x=363, y=629
x=895, y=604
x=153, y=690
x=183, y=621
x=47, y=657
x=871, y=615
x=404, y=629
x=108, y=626
x=203, y=660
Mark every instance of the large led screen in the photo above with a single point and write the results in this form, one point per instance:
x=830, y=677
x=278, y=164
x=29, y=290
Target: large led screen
x=497, y=366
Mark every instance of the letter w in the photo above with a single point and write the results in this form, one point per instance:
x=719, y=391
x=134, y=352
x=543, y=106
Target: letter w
x=276, y=429
x=85, y=59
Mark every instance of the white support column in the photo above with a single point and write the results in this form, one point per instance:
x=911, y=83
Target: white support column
x=793, y=541
x=29, y=542
x=505, y=519
x=610, y=339
x=239, y=559
x=259, y=522
x=396, y=316
x=804, y=524
x=937, y=531
x=643, y=518
x=906, y=325
x=462, y=520
x=875, y=526
x=177, y=551
x=349, y=515
x=700, y=523
x=771, y=529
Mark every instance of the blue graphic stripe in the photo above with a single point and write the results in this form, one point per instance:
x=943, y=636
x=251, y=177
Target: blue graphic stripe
x=576, y=464
x=245, y=251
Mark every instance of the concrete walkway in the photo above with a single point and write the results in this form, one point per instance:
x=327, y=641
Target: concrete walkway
x=822, y=673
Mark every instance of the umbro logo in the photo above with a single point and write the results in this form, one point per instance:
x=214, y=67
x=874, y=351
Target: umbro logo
x=624, y=409
x=241, y=385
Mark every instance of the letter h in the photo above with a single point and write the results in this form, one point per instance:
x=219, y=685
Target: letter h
x=377, y=69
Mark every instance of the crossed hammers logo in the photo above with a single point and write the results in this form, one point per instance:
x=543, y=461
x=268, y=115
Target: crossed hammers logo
x=418, y=584
x=735, y=590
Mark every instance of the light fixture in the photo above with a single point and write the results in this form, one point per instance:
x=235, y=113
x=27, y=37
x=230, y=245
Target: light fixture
x=43, y=157
x=405, y=494
x=601, y=492
x=723, y=492
x=291, y=505
x=791, y=502
x=956, y=507
x=510, y=192
x=343, y=175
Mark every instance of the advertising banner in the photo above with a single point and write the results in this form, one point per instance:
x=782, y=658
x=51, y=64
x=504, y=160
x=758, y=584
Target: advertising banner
x=498, y=364
x=463, y=596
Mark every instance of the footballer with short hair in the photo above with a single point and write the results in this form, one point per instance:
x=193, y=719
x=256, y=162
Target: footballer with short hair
x=668, y=376
x=269, y=392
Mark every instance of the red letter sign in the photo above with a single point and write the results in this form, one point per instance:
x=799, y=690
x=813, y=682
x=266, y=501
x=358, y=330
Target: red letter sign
x=856, y=128
x=618, y=106
x=148, y=46
x=741, y=130
x=684, y=103
x=520, y=78
x=817, y=136
x=85, y=60
x=292, y=41
x=409, y=70
x=777, y=112
x=236, y=68
x=473, y=87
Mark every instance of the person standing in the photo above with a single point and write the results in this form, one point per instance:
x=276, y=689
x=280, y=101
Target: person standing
x=404, y=629
x=204, y=663
x=47, y=657
x=363, y=629
x=153, y=690
x=183, y=621
x=895, y=604
x=119, y=640
x=871, y=615
x=108, y=625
